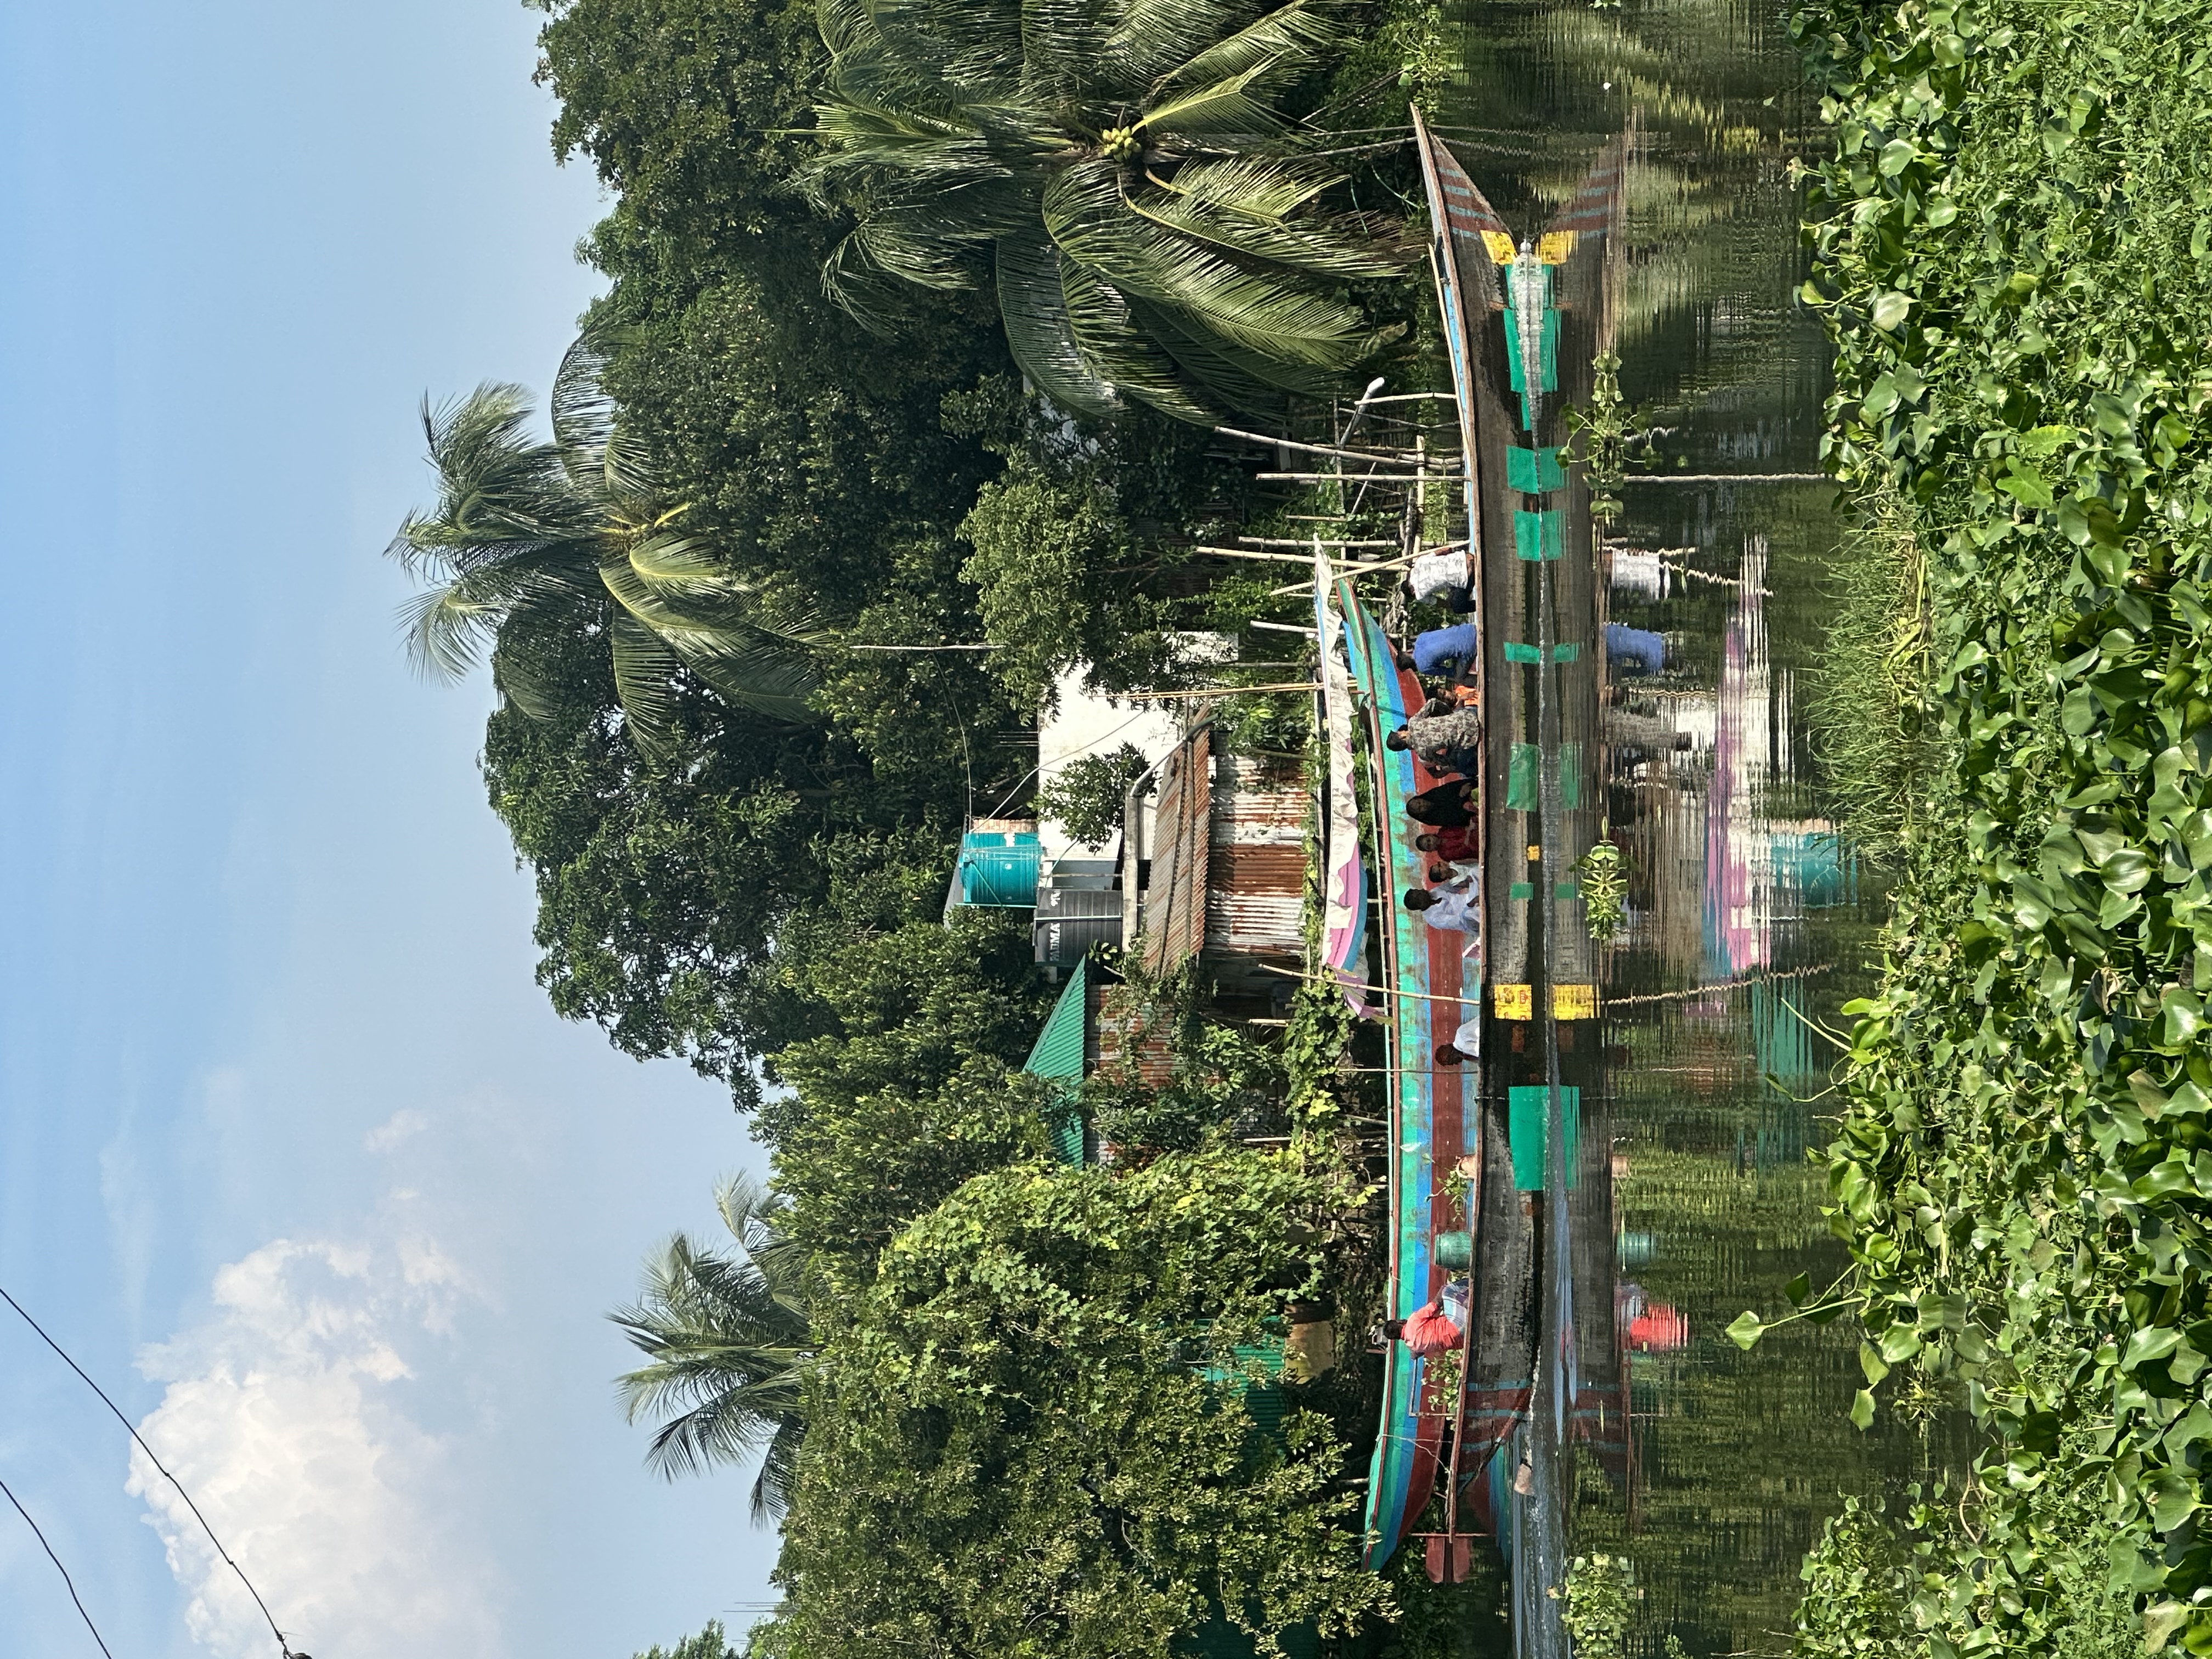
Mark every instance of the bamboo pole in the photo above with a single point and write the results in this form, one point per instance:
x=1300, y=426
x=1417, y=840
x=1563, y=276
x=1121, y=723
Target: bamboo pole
x=1352, y=477
x=1721, y=478
x=1220, y=691
x=1292, y=443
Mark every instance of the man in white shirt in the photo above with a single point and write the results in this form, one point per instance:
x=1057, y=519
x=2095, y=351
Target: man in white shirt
x=1452, y=909
x=1465, y=1043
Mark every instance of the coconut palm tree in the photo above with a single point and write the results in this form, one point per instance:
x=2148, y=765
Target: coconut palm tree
x=533, y=542
x=1119, y=170
x=727, y=1345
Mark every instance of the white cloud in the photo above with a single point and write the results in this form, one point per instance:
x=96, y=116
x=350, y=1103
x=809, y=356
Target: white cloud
x=401, y=1127
x=294, y=1417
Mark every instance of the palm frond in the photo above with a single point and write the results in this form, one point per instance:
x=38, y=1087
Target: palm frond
x=1034, y=310
x=1153, y=37
x=1116, y=347
x=645, y=680
x=727, y=1347
x=1314, y=246
x=779, y=1475
x=1274, y=46
x=1088, y=216
x=603, y=461
x=1252, y=381
x=1214, y=109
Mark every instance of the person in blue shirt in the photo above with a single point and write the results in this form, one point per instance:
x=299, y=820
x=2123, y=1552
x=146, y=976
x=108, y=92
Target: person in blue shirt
x=1441, y=650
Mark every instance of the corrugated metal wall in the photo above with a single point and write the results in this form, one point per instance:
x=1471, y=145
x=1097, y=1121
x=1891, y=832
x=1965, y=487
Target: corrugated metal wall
x=1256, y=886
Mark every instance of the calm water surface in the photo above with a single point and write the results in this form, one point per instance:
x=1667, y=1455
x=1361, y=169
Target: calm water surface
x=1748, y=924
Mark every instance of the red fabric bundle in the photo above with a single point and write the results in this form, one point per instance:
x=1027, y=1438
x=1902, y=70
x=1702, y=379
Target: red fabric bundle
x=1430, y=1332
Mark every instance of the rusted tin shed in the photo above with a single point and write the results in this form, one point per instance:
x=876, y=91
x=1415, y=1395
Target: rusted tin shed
x=1228, y=865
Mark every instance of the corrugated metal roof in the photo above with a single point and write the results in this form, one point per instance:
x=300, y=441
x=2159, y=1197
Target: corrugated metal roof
x=1057, y=1057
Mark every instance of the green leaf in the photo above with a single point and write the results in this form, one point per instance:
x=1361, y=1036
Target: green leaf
x=2171, y=1496
x=2153, y=1342
x=1798, y=1289
x=2027, y=486
x=1862, y=1409
x=1898, y=1343
x=1746, y=1329
x=1890, y=309
x=1873, y=1364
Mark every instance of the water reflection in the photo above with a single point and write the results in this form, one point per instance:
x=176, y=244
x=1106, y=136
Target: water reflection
x=1609, y=1410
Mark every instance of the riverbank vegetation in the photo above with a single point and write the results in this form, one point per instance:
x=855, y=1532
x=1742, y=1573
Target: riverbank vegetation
x=2012, y=251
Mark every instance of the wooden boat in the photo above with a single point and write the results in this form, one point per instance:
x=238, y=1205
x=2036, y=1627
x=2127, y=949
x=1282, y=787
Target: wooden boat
x=1465, y=1139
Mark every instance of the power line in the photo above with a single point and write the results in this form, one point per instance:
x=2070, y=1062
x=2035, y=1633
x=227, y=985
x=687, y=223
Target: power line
x=56, y=1559
x=284, y=1646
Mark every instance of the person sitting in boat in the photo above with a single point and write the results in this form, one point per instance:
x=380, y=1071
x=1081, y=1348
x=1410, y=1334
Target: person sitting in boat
x=1441, y=650
x=1459, y=845
x=1454, y=726
x=1443, y=579
x=1456, y=908
x=1448, y=805
x=1452, y=763
x=1465, y=1043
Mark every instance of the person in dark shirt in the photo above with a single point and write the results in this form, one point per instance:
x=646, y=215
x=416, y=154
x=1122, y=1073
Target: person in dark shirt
x=1442, y=807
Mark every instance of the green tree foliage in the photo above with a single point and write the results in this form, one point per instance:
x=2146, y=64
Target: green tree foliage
x=1879, y=1587
x=1124, y=177
x=708, y=1644
x=2013, y=248
x=727, y=1344
x=908, y=1088
x=669, y=885
x=538, y=545
x=1013, y=1446
x=1090, y=793
x=692, y=111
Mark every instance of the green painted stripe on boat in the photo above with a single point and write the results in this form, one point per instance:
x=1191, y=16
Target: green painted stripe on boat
x=1529, y=1111
x=1533, y=472
x=1523, y=791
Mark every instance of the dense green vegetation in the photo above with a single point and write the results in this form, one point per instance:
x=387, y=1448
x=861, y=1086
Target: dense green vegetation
x=2013, y=251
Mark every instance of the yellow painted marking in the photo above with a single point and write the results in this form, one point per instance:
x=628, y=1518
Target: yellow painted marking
x=1535, y=853
x=1500, y=246
x=1574, y=1002
x=1513, y=1001
x=1554, y=247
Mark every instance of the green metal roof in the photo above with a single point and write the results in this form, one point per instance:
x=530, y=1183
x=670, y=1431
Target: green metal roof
x=1057, y=1057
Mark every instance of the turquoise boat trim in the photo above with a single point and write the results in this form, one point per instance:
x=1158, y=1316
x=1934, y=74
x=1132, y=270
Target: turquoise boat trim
x=1398, y=1452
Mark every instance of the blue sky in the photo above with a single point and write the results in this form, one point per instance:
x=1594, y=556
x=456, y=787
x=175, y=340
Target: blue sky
x=292, y=1152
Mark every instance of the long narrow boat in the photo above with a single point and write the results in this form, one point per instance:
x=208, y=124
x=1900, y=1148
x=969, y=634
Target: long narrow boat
x=1402, y=1473
x=1512, y=1116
